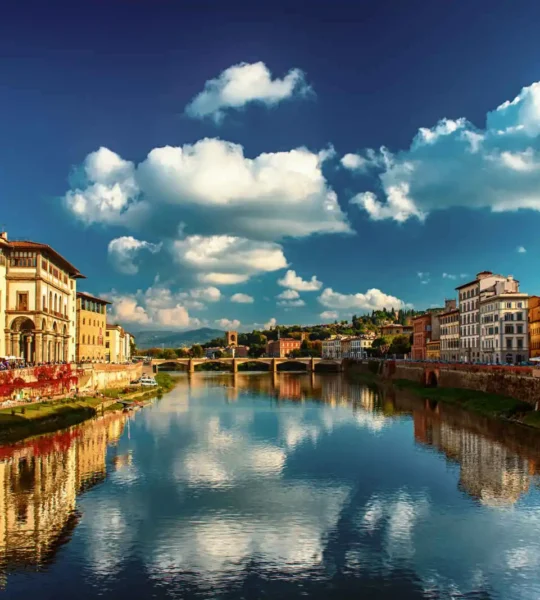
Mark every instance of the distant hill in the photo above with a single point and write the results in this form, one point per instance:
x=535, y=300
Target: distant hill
x=151, y=339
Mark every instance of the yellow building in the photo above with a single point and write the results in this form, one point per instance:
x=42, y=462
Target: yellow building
x=37, y=302
x=91, y=328
x=433, y=350
x=117, y=344
x=534, y=326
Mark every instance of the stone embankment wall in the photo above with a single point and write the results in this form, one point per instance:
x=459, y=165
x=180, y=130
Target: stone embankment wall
x=519, y=383
x=100, y=377
x=59, y=380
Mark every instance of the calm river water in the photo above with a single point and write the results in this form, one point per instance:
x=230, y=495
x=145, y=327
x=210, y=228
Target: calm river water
x=273, y=487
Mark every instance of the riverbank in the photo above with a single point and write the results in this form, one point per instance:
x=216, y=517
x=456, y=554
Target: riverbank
x=495, y=406
x=22, y=421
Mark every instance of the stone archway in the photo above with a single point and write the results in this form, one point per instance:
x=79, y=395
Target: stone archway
x=22, y=339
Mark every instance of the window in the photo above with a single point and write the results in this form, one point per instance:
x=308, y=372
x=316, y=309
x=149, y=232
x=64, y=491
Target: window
x=520, y=343
x=519, y=329
x=508, y=305
x=84, y=339
x=84, y=321
x=509, y=344
x=23, y=259
x=508, y=316
x=508, y=329
x=520, y=304
x=22, y=301
x=519, y=316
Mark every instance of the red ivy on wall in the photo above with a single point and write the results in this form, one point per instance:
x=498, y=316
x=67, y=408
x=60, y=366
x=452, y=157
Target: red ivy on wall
x=49, y=379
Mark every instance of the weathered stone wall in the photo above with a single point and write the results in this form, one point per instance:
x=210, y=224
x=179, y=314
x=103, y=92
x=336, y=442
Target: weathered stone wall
x=411, y=373
x=524, y=387
x=521, y=383
x=63, y=379
x=101, y=376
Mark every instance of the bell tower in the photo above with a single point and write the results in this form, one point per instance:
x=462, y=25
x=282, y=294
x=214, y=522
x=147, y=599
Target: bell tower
x=232, y=338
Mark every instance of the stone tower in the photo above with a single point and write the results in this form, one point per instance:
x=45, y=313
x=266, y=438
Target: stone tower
x=232, y=338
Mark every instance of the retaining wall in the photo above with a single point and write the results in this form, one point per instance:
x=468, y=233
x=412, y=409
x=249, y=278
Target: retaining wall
x=521, y=383
x=58, y=380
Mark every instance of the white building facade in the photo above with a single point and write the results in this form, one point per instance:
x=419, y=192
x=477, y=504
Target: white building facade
x=331, y=348
x=469, y=295
x=504, y=335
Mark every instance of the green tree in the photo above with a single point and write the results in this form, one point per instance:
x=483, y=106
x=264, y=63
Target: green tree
x=197, y=351
x=168, y=353
x=401, y=344
x=182, y=353
x=381, y=345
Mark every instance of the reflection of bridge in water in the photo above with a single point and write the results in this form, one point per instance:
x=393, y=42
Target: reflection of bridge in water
x=310, y=364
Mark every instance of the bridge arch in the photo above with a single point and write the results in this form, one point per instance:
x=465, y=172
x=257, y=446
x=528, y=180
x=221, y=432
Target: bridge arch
x=171, y=364
x=431, y=378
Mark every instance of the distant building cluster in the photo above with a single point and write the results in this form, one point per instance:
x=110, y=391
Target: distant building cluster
x=347, y=346
x=45, y=318
x=491, y=322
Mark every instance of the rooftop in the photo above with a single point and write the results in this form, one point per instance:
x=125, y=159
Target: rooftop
x=94, y=298
x=62, y=262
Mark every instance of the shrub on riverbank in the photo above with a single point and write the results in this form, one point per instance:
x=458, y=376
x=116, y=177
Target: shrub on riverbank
x=165, y=381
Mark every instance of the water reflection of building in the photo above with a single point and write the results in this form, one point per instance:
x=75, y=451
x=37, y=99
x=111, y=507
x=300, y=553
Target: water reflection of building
x=489, y=471
x=39, y=483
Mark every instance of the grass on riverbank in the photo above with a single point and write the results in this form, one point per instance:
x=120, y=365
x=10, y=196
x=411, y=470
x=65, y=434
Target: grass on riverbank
x=19, y=422
x=165, y=381
x=490, y=405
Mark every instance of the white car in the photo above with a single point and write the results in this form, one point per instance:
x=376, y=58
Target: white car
x=148, y=381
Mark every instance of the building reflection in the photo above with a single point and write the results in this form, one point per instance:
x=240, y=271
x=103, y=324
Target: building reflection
x=489, y=470
x=39, y=483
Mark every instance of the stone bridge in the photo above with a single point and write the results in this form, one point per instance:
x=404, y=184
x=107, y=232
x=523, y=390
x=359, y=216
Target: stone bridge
x=232, y=363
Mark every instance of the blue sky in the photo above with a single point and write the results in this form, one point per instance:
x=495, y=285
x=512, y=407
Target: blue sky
x=185, y=159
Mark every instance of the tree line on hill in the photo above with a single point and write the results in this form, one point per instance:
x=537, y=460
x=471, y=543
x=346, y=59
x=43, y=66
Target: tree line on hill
x=312, y=346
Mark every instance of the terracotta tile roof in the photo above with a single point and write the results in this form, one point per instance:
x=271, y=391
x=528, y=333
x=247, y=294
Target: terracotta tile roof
x=26, y=244
x=90, y=297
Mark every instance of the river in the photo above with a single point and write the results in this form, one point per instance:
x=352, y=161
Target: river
x=261, y=486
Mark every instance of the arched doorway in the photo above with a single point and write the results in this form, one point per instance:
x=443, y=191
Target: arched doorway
x=23, y=336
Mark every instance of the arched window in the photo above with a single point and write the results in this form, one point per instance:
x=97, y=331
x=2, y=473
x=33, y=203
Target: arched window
x=94, y=339
x=55, y=308
x=50, y=301
x=83, y=339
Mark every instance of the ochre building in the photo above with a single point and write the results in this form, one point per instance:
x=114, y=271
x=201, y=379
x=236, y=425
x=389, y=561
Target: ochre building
x=534, y=326
x=38, y=287
x=282, y=348
x=91, y=328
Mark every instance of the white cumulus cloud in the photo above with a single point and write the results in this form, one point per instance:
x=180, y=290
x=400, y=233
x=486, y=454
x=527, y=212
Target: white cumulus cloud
x=373, y=299
x=243, y=84
x=211, y=184
x=449, y=276
x=228, y=324
x=242, y=298
x=225, y=259
x=521, y=249
x=456, y=164
x=271, y=323
x=294, y=282
x=157, y=307
x=288, y=295
x=108, y=192
x=329, y=315
x=124, y=250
